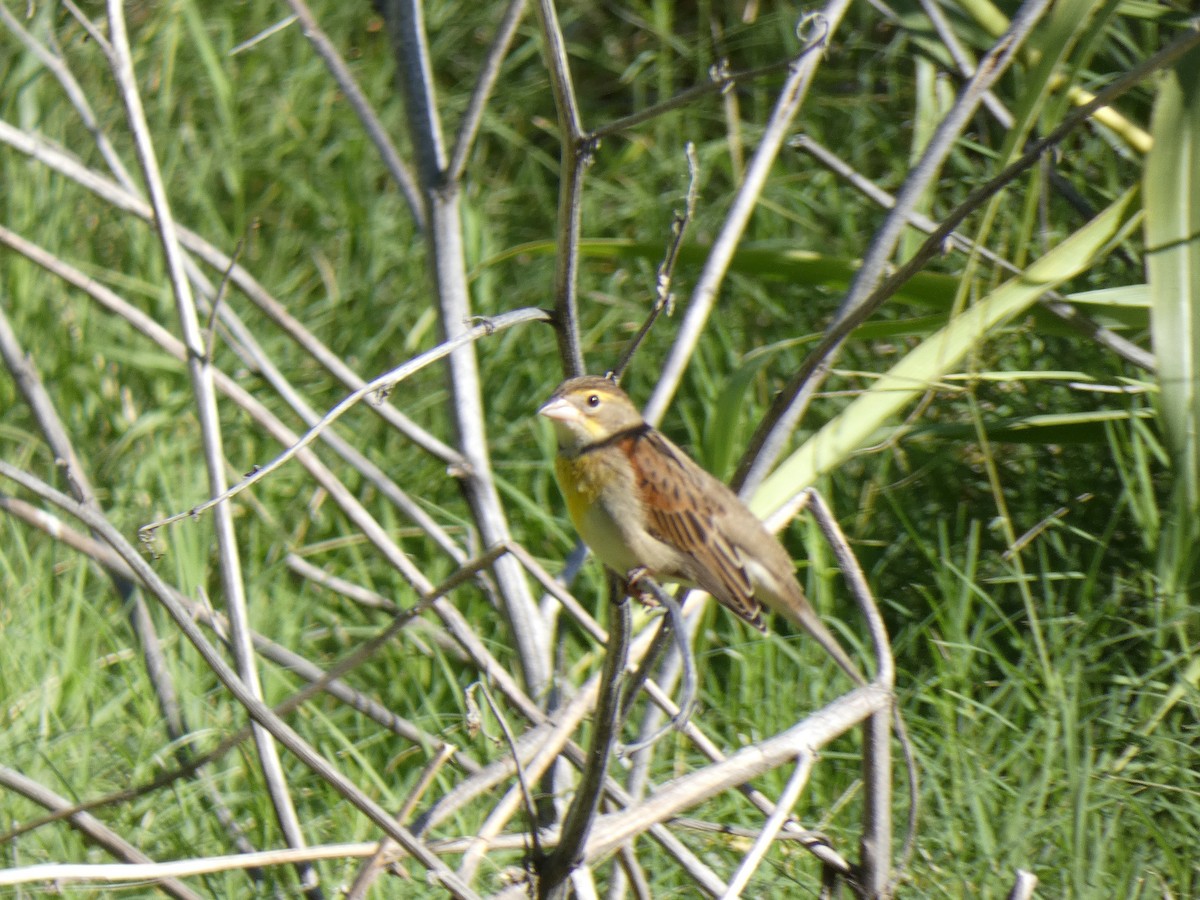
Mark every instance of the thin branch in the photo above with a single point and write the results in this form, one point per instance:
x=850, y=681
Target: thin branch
x=631, y=874
x=141, y=322
x=256, y=39
x=381, y=385
x=129, y=874
x=87, y=825
x=704, y=294
x=807, y=379
x=255, y=356
x=773, y=432
x=566, y=269
x=442, y=199
x=664, y=300
x=358, y=101
x=269, y=650
x=506, y=809
x=62, y=162
x=774, y=824
x=328, y=680
x=200, y=372
x=538, y=748
x=1053, y=301
x=876, y=843
x=257, y=710
x=489, y=73
x=371, y=867
x=694, y=788
x=559, y=593
x=885, y=671
x=29, y=383
x=959, y=54
x=58, y=67
x=554, y=870
x=210, y=327
x=575, y=157
x=721, y=82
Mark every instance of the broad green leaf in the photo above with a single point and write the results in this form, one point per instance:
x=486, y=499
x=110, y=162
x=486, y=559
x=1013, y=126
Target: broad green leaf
x=937, y=356
x=1132, y=296
x=1172, y=186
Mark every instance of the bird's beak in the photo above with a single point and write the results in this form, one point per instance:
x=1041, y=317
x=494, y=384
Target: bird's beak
x=559, y=410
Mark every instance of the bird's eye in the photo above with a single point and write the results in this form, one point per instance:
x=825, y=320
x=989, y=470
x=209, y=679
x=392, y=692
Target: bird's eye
x=593, y=400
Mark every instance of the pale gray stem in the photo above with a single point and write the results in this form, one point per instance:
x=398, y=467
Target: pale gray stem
x=200, y=372
x=90, y=827
x=769, y=442
x=446, y=255
x=704, y=294
x=772, y=827
x=258, y=711
x=374, y=129
x=62, y=162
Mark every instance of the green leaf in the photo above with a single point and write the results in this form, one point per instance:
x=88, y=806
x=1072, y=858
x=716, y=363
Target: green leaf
x=722, y=425
x=1173, y=262
x=920, y=370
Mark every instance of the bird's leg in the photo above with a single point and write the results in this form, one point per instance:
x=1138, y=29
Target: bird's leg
x=675, y=629
x=642, y=596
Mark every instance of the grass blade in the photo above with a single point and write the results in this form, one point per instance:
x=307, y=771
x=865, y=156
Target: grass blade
x=1172, y=185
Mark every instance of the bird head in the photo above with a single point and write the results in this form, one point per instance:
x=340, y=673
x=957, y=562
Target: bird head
x=587, y=410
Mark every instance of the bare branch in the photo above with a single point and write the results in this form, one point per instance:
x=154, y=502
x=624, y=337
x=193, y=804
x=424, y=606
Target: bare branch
x=663, y=299
x=257, y=710
x=61, y=161
x=1053, y=301
x=772, y=434
x=695, y=787
x=704, y=294
x=575, y=157
x=554, y=869
x=200, y=372
x=382, y=384
x=807, y=379
x=442, y=203
x=488, y=74
x=87, y=825
x=374, y=129
x=791, y=793
x=371, y=868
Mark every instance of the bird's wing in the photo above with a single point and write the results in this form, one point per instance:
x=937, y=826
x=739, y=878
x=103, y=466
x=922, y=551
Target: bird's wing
x=683, y=504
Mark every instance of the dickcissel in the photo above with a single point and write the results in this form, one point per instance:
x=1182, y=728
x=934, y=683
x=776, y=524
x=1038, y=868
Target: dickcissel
x=640, y=503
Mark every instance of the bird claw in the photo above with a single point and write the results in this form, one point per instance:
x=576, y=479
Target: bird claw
x=644, y=597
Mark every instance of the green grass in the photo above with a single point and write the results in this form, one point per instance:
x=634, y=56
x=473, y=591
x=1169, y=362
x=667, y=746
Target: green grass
x=1025, y=678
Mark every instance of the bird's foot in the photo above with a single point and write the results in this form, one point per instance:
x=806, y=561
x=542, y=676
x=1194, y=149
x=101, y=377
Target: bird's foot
x=643, y=596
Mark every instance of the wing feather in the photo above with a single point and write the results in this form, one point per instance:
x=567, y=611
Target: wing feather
x=681, y=506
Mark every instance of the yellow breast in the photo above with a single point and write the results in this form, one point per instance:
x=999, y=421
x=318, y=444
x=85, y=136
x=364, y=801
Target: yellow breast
x=581, y=484
x=593, y=494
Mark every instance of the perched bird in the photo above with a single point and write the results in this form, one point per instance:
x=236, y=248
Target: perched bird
x=638, y=501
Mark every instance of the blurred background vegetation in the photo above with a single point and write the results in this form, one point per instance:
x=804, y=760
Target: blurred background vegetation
x=1043, y=680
